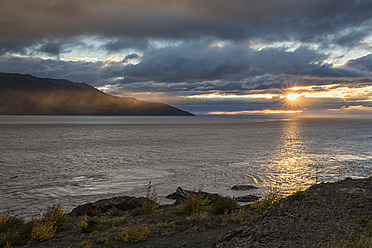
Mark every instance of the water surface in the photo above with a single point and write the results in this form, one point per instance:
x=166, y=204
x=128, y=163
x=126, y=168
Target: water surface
x=72, y=160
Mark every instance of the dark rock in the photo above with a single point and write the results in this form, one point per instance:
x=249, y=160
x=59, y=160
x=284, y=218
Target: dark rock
x=181, y=195
x=123, y=203
x=247, y=198
x=243, y=187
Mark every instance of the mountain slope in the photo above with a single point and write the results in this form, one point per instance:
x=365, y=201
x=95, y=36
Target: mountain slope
x=28, y=95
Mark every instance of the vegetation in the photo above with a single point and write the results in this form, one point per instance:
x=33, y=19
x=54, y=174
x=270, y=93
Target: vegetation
x=215, y=204
x=56, y=216
x=195, y=203
x=273, y=196
x=197, y=213
x=41, y=231
x=220, y=204
x=152, y=205
x=14, y=231
x=88, y=225
x=136, y=233
x=361, y=238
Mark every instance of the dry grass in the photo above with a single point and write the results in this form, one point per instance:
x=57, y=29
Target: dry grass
x=273, y=196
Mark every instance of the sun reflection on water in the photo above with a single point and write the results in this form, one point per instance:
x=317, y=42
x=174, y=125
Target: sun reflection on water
x=290, y=164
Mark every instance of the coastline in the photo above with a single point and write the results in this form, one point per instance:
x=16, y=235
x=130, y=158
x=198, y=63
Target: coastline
x=324, y=214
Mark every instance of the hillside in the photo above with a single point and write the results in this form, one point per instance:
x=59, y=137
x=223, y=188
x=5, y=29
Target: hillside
x=28, y=95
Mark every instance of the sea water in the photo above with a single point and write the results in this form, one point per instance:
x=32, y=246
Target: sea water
x=72, y=160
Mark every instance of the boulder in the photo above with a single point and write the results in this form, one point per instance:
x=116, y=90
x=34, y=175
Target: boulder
x=123, y=203
x=247, y=198
x=243, y=187
x=181, y=195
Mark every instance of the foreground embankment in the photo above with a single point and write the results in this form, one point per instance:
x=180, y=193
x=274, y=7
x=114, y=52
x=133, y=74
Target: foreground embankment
x=325, y=215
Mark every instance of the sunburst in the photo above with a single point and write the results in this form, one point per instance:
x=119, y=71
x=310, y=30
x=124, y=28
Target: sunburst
x=292, y=96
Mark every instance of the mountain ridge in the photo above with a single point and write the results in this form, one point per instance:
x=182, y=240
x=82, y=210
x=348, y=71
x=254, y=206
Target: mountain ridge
x=24, y=94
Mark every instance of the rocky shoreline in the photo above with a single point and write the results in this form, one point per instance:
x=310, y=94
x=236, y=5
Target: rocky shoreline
x=324, y=215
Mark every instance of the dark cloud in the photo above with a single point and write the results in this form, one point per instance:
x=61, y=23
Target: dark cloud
x=55, y=47
x=363, y=63
x=343, y=22
x=193, y=66
x=126, y=42
x=131, y=56
x=14, y=45
x=74, y=71
x=201, y=62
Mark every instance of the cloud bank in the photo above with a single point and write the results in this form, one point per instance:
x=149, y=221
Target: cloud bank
x=175, y=49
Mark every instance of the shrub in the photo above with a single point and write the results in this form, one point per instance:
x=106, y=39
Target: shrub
x=225, y=218
x=273, y=196
x=219, y=204
x=88, y=225
x=4, y=218
x=239, y=217
x=136, y=233
x=195, y=203
x=55, y=214
x=42, y=231
x=196, y=218
x=152, y=204
x=14, y=231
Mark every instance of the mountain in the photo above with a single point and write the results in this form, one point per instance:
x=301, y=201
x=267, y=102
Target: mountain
x=22, y=94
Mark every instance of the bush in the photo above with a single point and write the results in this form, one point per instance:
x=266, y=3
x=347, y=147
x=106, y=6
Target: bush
x=14, y=231
x=42, y=231
x=88, y=225
x=55, y=214
x=220, y=204
x=195, y=203
x=4, y=218
x=273, y=196
x=136, y=233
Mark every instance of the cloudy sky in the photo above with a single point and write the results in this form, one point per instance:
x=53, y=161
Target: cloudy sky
x=306, y=57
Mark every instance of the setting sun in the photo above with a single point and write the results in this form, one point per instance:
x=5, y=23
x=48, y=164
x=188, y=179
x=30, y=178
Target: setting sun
x=292, y=96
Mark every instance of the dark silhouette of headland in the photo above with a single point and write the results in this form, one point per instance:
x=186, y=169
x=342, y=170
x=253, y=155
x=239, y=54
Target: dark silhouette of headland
x=23, y=94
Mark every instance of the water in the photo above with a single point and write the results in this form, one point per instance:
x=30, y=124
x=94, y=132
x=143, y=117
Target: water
x=72, y=160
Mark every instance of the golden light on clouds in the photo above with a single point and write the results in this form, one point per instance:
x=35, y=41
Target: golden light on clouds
x=265, y=111
x=233, y=96
x=352, y=108
x=333, y=91
x=297, y=99
x=293, y=93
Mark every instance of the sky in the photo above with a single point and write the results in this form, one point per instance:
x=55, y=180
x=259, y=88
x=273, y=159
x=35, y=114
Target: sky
x=249, y=57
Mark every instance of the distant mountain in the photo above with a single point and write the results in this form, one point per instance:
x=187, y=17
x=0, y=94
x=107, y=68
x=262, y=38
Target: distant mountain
x=28, y=95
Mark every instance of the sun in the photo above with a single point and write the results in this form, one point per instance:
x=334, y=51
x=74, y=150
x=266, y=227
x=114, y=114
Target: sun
x=292, y=96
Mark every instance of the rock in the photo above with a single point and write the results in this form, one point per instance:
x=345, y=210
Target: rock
x=243, y=187
x=123, y=203
x=247, y=198
x=181, y=195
